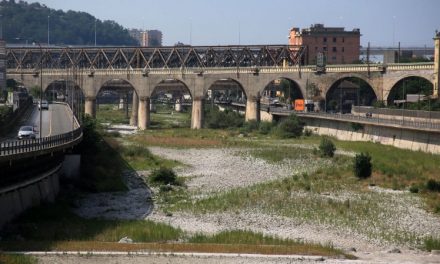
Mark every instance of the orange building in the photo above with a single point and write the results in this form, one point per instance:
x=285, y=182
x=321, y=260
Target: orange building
x=338, y=46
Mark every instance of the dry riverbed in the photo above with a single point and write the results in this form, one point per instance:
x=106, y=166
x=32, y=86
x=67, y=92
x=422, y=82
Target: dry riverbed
x=218, y=170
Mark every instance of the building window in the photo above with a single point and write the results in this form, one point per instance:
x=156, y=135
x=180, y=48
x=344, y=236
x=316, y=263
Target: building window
x=334, y=58
x=343, y=49
x=343, y=40
x=324, y=48
x=325, y=39
x=316, y=48
x=334, y=39
x=334, y=49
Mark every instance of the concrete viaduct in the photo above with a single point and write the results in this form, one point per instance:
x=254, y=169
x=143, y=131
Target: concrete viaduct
x=199, y=77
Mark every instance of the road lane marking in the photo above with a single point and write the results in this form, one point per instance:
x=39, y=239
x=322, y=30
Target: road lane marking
x=50, y=121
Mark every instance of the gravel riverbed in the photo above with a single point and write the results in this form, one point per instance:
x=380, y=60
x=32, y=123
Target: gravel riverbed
x=217, y=170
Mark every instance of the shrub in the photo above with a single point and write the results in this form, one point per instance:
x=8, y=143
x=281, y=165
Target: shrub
x=290, y=127
x=308, y=132
x=265, y=127
x=414, y=189
x=357, y=126
x=326, y=148
x=433, y=185
x=163, y=176
x=136, y=151
x=431, y=243
x=362, y=165
x=250, y=126
x=214, y=118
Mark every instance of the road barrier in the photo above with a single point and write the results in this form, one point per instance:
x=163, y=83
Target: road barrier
x=34, y=147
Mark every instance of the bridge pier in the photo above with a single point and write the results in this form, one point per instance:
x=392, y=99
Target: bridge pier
x=90, y=106
x=436, y=64
x=197, y=113
x=144, y=113
x=253, y=109
x=134, y=110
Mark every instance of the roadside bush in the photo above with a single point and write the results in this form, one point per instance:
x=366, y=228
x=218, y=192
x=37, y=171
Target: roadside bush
x=290, y=127
x=433, y=185
x=163, y=176
x=326, y=148
x=362, y=165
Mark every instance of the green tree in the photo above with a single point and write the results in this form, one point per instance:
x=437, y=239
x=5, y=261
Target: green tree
x=327, y=148
x=290, y=127
x=362, y=166
x=28, y=22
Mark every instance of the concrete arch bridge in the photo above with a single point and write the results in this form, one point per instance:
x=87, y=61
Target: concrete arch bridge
x=252, y=68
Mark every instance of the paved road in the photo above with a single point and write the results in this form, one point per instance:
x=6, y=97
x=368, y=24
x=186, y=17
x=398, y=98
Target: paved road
x=56, y=120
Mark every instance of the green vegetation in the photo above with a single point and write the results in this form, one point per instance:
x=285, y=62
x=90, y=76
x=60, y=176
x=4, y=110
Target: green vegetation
x=56, y=222
x=433, y=185
x=214, y=118
x=327, y=148
x=55, y=227
x=362, y=165
x=28, y=22
x=431, y=243
x=242, y=237
x=290, y=127
x=16, y=259
x=110, y=114
x=163, y=176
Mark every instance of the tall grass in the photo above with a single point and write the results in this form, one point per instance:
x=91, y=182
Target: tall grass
x=57, y=223
x=141, y=158
x=431, y=243
x=16, y=259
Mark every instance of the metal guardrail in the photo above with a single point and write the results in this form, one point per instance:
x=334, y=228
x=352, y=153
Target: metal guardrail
x=402, y=123
x=33, y=146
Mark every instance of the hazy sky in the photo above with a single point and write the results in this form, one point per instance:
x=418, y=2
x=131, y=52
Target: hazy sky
x=212, y=22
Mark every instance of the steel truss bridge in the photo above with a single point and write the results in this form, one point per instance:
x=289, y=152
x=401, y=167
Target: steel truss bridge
x=153, y=58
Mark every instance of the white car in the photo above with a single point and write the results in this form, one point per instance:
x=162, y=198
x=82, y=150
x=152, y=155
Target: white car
x=26, y=132
x=43, y=105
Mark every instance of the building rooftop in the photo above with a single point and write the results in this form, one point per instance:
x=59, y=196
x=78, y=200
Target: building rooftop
x=321, y=29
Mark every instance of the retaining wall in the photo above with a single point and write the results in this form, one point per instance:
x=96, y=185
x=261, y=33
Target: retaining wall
x=17, y=198
x=398, y=137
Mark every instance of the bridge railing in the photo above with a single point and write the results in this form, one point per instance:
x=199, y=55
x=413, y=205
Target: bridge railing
x=421, y=125
x=35, y=146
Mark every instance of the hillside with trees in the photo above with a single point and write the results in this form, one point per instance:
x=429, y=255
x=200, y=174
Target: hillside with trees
x=24, y=23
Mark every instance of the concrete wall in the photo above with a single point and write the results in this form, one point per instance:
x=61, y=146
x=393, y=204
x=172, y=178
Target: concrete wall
x=17, y=198
x=401, y=138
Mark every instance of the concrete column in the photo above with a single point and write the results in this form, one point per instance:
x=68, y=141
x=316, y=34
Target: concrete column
x=90, y=106
x=144, y=113
x=436, y=64
x=178, y=106
x=121, y=102
x=134, y=110
x=197, y=113
x=253, y=108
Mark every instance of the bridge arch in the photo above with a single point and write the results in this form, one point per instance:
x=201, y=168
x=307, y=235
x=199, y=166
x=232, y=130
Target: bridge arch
x=119, y=96
x=409, y=84
x=347, y=91
x=282, y=90
x=172, y=98
x=226, y=89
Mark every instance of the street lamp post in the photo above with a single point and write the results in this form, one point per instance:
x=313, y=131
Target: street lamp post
x=48, y=30
x=403, y=103
x=41, y=87
x=95, y=32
